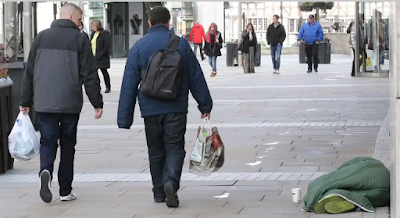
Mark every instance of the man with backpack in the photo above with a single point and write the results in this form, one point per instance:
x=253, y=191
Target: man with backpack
x=166, y=68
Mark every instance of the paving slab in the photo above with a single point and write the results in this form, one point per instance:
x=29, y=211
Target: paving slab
x=280, y=131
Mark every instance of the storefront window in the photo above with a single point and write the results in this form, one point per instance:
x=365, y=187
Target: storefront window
x=182, y=16
x=377, y=34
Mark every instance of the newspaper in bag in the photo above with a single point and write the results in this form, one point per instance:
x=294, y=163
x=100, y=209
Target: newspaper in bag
x=208, y=152
x=23, y=143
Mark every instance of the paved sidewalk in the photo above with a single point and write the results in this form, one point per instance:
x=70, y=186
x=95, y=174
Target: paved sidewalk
x=280, y=131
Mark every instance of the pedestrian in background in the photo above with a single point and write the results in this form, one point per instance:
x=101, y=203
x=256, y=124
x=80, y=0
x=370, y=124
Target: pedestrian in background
x=313, y=34
x=276, y=35
x=100, y=40
x=197, y=36
x=59, y=62
x=83, y=31
x=248, y=46
x=212, y=47
x=352, y=30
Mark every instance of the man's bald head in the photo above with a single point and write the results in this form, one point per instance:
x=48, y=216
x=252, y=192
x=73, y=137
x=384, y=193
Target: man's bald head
x=71, y=12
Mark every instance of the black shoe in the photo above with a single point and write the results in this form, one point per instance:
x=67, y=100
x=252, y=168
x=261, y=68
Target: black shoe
x=309, y=71
x=108, y=91
x=172, y=197
x=45, y=186
x=159, y=199
x=316, y=70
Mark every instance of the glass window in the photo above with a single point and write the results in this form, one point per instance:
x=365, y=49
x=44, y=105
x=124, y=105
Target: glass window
x=292, y=25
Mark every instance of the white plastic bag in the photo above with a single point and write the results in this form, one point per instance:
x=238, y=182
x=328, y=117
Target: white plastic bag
x=23, y=143
x=207, y=155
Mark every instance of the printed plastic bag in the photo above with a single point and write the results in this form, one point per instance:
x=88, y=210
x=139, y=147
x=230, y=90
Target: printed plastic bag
x=208, y=152
x=23, y=143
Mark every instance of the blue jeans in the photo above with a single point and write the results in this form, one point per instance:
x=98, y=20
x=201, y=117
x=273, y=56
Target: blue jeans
x=165, y=135
x=276, y=55
x=54, y=128
x=382, y=57
x=212, y=60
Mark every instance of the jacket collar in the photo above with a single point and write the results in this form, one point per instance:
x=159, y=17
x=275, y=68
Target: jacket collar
x=272, y=24
x=64, y=23
x=158, y=28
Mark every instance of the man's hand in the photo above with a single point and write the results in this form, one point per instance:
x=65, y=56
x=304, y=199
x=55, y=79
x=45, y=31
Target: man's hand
x=24, y=110
x=208, y=116
x=316, y=42
x=298, y=42
x=98, y=112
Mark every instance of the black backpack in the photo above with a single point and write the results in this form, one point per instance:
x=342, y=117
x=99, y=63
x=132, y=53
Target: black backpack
x=162, y=77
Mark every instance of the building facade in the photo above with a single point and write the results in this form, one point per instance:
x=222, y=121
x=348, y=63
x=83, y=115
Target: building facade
x=127, y=21
x=260, y=15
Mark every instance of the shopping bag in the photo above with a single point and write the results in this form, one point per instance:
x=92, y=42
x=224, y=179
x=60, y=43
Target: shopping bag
x=23, y=143
x=208, y=154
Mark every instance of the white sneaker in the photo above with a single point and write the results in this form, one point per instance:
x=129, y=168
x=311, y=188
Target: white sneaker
x=274, y=71
x=277, y=71
x=45, y=186
x=69, y=197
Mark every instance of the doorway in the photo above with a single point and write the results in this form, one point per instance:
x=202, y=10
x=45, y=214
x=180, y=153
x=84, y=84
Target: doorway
x=119, y=28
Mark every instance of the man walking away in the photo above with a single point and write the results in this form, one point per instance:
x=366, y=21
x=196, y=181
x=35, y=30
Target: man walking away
x=59, y=62
x=313, y=34
x=164, y=119
x=276, y=35
x=197, y=36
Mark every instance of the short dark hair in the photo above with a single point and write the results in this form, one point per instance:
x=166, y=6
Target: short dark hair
x=276, y=16
x=159, y=15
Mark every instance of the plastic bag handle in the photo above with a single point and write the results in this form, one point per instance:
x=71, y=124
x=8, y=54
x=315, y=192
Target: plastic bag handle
x=208, y=122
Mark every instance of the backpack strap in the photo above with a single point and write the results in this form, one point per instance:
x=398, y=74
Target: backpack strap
x=173, y=43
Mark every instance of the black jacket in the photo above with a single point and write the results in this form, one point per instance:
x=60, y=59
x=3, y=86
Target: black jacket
x=102, y=49
x=245, y=43
x=276, y=35
x=213, y=49
x=60, y=62
x=84, y=33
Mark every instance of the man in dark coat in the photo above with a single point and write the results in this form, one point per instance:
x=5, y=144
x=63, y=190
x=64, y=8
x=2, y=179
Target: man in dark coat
x=83, y=31
x=276, y=35
x=59, y=62
x=165, y=120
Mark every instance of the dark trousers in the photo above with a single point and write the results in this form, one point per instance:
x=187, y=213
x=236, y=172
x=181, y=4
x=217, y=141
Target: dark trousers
x=312, y=55
x=106, y=77
x=200, y=46
x=354, y=60
x=165, y=135
x=53, y=128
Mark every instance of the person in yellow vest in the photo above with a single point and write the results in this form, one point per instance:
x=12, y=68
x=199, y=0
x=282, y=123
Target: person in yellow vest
x=100, y=40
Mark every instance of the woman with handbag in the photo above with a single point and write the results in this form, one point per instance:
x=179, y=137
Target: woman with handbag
x=248, y=46
x=212, y=47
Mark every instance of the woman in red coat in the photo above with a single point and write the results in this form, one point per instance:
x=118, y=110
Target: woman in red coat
x=196, y=36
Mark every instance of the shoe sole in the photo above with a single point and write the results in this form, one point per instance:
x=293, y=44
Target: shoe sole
x=45, y=191
x=172, y=200
x=68, y=199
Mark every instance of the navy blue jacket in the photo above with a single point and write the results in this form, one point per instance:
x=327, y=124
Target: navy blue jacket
x=311, y=32
x=193, y=79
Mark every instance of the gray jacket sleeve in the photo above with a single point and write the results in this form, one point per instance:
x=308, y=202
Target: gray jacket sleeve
x=27, y=80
